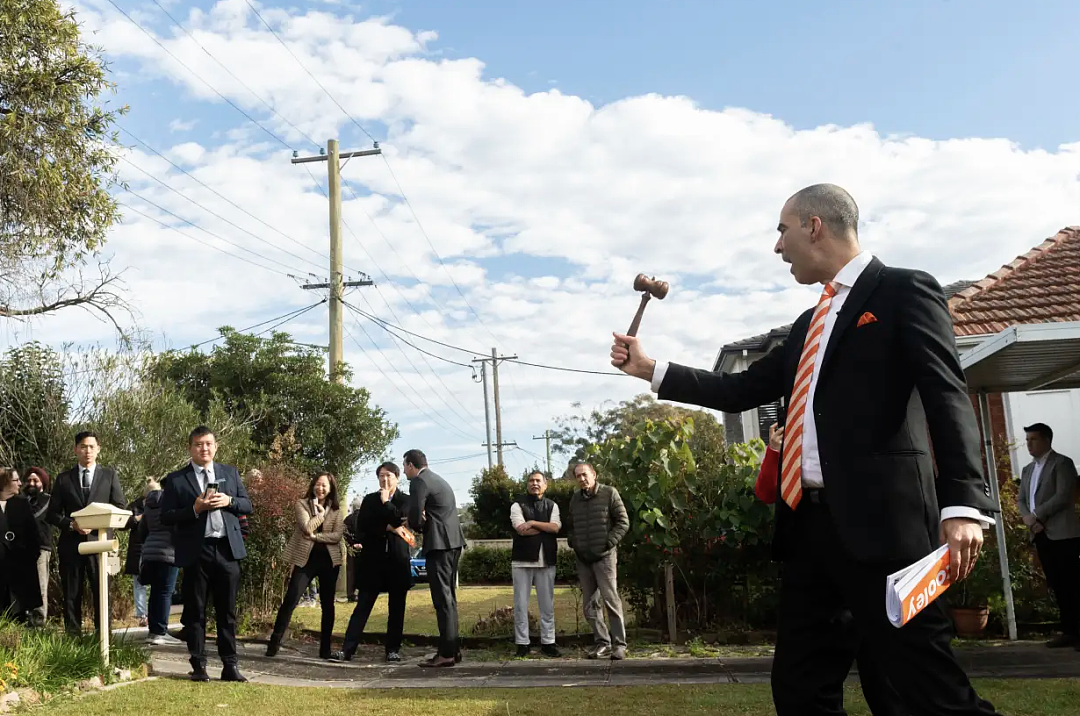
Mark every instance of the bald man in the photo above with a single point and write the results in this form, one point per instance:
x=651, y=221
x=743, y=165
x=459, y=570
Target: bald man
x=864, y=374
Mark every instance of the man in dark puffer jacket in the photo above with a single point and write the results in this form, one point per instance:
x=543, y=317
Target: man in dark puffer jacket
x=598, y=522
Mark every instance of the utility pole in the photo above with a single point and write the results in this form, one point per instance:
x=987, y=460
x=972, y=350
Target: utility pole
x=494, y=360
x=337, y=284
x=546, y=437
x=487, y=413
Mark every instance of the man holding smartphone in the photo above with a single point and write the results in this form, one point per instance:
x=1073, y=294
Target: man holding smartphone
x=204, y=501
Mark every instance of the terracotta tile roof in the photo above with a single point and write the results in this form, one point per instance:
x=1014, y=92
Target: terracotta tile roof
x=1041, y=286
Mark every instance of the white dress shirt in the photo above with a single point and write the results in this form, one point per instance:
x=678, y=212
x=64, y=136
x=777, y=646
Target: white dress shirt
x=215, y=523
x=812, y=476
x=517, y=518
x=90, y=478
x=1036, y=473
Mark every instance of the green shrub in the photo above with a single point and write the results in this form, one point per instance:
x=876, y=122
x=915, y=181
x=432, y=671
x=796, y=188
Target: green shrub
x=491, y=565
x=48, y=660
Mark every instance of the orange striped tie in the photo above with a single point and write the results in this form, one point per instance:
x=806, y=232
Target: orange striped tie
x=791, y=476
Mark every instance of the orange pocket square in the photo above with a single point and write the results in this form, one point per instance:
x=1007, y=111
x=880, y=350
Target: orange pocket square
x=866, y=318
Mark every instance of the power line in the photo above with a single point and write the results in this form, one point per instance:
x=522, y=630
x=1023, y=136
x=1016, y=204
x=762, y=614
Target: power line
x=382, y=324
x=204, y=243
x=287, y=316
x=251, y=119
x=312, y=76
x=211, y=233
x=242, y=83
x=567, y=370
x=222, y=196
x=219, y=216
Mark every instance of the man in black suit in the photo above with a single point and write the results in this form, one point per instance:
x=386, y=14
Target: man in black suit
x=867, y=374
x=204, y=501
x=75, y=489
x=433, y=512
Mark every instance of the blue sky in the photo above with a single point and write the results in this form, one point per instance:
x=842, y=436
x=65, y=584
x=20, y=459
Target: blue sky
x=601, y=139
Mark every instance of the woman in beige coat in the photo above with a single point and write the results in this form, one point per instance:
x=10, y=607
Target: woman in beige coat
x=315, y=551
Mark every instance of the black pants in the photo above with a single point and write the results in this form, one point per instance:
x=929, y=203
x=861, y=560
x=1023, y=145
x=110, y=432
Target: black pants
x=76, y=571
x=319, y=566
x=442, y=568
x=215, y=574
x=813, y=651
x=395, y=620
x=1060, y=560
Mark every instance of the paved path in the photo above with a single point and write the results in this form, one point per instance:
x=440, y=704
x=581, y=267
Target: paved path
x=297, y=668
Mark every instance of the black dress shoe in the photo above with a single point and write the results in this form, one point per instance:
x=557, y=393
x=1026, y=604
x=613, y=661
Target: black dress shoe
x=522, y=650
x=457, y=657
x=199, y=675
x=339, y=656
x=550, y=650
x=393, y=657
x=274, y=645
x=231, y=672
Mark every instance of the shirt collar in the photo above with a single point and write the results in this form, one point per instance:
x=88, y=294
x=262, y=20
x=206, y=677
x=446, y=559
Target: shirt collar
x=1042, y=460
x=199, y=468
x=851, y=272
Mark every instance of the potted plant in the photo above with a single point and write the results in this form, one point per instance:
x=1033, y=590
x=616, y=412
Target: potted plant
x=969, y=600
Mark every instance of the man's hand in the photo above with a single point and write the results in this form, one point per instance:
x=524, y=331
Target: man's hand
x=219, y=500
x=384, y=494
x=402, y=533
x=202, y=503
x=964, y=537
x=627, y=356
x=1029, y=520
x=358, y=547
x=525, y=529
x=1038, y=527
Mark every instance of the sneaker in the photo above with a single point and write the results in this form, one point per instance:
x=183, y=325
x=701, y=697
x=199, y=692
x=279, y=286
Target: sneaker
x=550, y=650
x=522, y=650
x=393, y=657
x=618, y=653
x=600, y=652
x=163, y=640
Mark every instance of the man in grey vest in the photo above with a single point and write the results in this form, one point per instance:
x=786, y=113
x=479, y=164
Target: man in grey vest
x=598, y=522
x=536, y=521
x=1047, y=497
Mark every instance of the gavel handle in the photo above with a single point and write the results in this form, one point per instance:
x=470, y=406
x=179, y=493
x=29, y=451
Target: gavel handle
x=637, y=316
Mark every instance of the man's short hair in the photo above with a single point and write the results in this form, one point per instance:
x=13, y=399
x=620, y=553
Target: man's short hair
x=585, y=464
x=388, y=466
x=199, y=432
x=416, y=458
x=1041, y=429
x=537, y=472
x=80, y=436
x=830, y=203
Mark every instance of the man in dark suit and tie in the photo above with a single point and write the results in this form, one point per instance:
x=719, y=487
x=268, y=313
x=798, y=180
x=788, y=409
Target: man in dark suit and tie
x=204, y=501
x=433, y=512
x=866, y=374
x=75, y=489
x=1047, y=502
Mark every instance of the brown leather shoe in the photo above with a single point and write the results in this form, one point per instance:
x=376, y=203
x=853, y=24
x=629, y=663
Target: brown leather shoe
x=438, y=662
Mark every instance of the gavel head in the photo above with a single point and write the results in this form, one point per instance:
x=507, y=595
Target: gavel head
x=645, y=284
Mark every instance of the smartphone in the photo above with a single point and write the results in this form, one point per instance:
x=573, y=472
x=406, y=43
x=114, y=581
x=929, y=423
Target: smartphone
x=211, y=489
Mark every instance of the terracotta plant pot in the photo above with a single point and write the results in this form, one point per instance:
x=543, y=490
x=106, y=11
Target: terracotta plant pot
x=970, y=621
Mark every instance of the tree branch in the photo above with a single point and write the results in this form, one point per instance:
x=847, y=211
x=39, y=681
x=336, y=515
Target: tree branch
x=100, y=297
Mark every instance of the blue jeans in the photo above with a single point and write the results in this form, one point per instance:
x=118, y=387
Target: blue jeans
x=139, y=591
x=162, y=585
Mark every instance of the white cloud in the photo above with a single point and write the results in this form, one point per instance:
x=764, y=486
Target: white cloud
x=179, y=125
x=650, y=183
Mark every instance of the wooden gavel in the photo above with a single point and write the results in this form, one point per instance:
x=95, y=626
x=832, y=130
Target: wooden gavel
x=649, y=287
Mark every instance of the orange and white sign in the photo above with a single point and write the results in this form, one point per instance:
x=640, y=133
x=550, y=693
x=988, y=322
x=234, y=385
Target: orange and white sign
x=913, y=588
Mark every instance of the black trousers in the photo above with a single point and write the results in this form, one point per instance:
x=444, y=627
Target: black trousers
x=214, y=575
x=319, y=566
x=395, y=620
x=76, y=571
x=814, y=650
x=1060, y=560
x=442, y=569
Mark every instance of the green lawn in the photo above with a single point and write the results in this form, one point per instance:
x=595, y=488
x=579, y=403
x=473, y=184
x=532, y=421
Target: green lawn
x=473, y=603
x=168, y=697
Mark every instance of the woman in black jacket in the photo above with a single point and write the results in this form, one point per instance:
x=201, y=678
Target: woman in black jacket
x=157, y=567
x=382, y=564
x=20, y=543
x=36, y=490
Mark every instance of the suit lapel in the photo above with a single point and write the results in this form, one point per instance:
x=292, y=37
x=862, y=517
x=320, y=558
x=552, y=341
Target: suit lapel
x=1044, y=474
x=189, y=474
x=1025, y=482
x=861, y=291
x=95, y=481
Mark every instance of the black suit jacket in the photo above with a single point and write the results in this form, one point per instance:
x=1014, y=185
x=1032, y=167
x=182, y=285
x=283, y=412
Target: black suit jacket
x=442, y=528
x=67, y=497
x=884, y=390
x=20, y=544
x=180, y=490
x=383, y=563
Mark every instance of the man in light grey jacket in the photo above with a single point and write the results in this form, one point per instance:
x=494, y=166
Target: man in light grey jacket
x=1047, y=503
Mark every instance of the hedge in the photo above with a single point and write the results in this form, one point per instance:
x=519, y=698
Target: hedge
x=491, y=565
